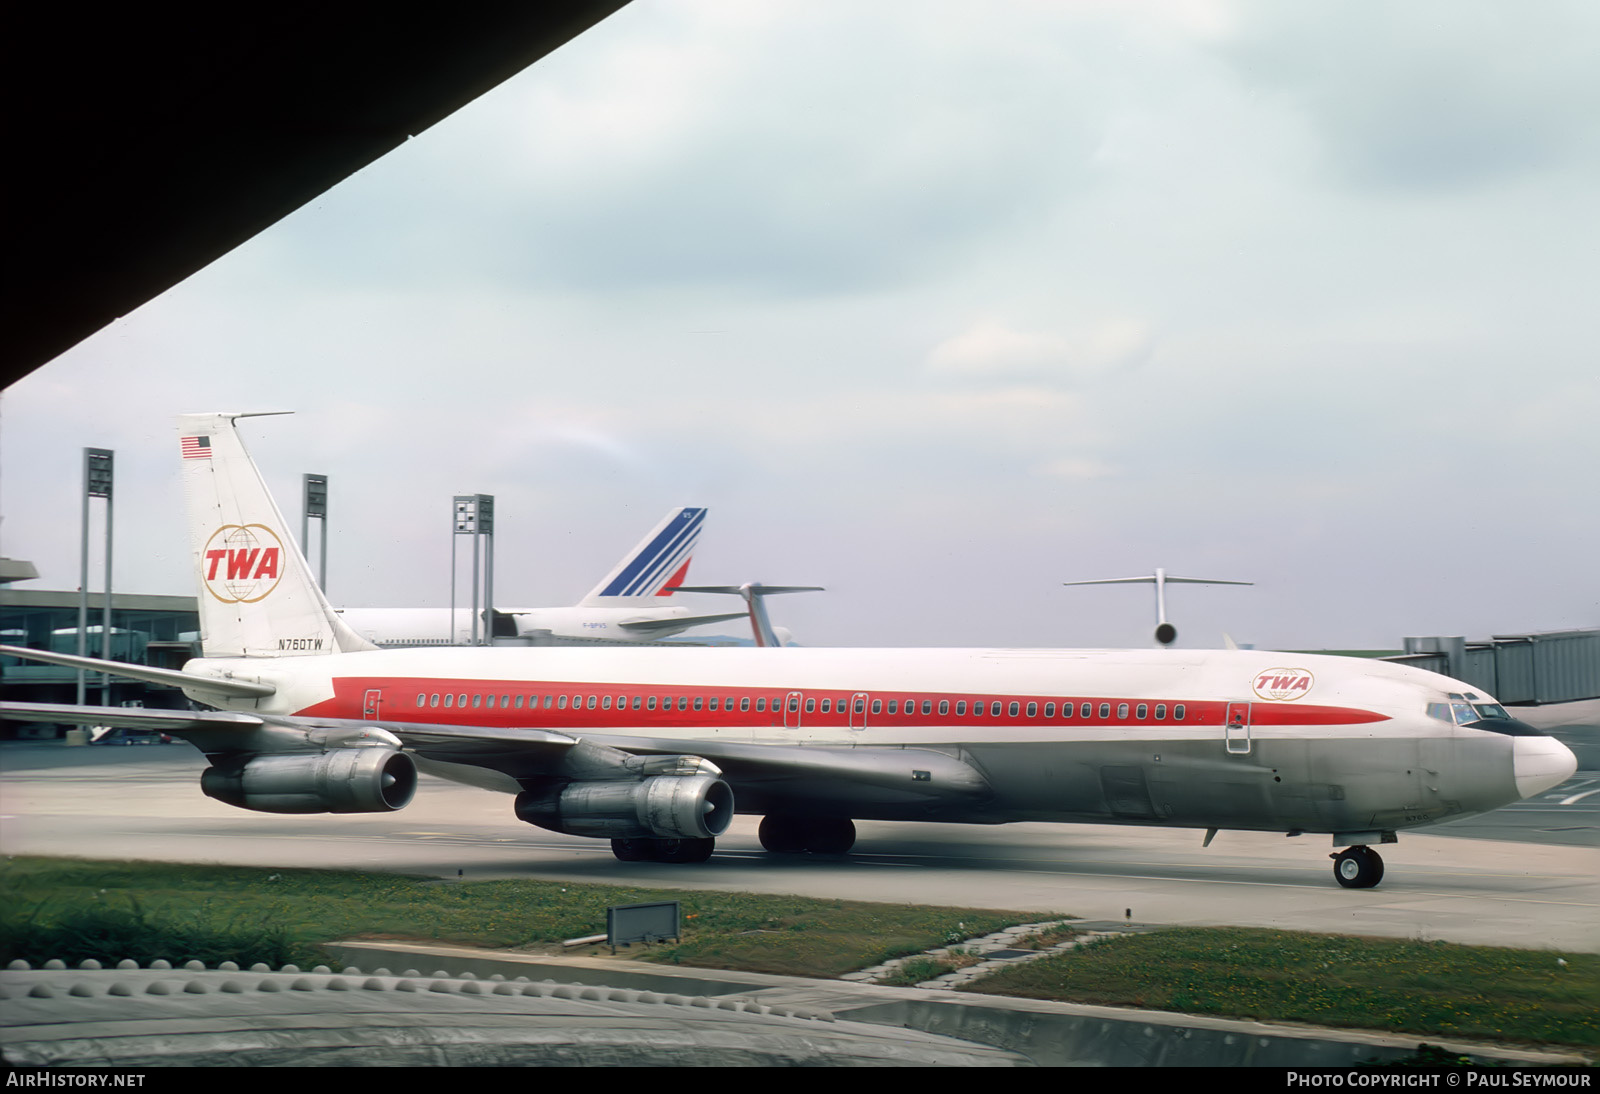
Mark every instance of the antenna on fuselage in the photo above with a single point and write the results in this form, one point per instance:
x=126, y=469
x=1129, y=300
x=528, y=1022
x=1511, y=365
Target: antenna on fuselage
x=1166, y=633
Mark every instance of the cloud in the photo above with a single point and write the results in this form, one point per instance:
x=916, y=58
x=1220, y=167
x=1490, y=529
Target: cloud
x=770, y=156
x=1077, y=468
x=1434, y=94
x=989, y=348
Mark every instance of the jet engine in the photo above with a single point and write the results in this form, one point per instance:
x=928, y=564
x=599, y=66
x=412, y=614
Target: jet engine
x=344, y=780
x=661, y=807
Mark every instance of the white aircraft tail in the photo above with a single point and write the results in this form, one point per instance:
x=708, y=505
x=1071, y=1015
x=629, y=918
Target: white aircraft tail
x=1166, y=633
x=755, y=594
x=655, y=568
x=257, y=595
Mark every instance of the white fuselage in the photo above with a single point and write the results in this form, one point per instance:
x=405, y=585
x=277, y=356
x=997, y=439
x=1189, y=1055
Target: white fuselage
x=407, y=627
x=1237, y=739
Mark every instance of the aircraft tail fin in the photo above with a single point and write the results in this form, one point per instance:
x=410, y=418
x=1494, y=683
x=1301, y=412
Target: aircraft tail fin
x=257, y=595
x=655, y=567
x=755, y=594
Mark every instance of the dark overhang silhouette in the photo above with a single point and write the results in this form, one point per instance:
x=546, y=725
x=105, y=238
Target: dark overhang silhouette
x=145, y=141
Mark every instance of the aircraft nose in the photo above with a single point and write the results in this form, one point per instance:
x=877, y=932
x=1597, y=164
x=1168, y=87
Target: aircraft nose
x=1538, y=763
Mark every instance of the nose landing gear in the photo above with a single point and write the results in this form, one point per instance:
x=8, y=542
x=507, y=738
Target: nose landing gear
x=1357, y=867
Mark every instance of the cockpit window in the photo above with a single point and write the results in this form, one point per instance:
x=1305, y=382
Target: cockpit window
x=1481, y=714
x=1463, y=713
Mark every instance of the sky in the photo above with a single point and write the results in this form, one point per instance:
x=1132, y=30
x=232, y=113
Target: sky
x=935, y=304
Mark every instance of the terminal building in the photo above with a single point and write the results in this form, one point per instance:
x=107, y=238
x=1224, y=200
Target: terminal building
x=145, y=630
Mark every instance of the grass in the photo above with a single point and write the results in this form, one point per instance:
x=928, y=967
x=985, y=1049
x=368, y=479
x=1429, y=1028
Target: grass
x=914, y=970
x=75, y=909
x=1431, y=988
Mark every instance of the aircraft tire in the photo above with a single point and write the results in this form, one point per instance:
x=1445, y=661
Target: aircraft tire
x=803, y=835
x=1358, y=867
x=683, y=850
x=831, y=837
x=783, y=835
x=633, y=850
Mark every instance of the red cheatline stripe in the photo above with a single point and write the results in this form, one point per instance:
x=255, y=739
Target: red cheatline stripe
x=400, y=697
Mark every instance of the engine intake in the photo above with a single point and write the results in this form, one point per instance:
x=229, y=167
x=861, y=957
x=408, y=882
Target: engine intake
x=662, y=807
x=344, y=780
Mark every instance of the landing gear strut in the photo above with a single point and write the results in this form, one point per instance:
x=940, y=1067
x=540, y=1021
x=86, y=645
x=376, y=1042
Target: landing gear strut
x=662, y=850
x=1357, y=867
x=798, y=835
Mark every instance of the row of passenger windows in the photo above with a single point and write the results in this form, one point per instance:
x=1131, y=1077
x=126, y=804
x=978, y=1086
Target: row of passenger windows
x=1011, y=709
x=857, y=705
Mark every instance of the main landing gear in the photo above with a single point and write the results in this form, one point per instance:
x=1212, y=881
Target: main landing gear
x=1357, y=867
x=799, y=835
x=662, y=850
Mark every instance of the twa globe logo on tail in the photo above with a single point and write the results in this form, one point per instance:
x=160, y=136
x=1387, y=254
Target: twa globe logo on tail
x=257, y=595
x=241, y=564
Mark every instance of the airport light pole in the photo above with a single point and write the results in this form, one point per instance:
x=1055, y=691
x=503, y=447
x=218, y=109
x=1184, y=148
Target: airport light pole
x=315, y=507
x=486, y=530
x=473, y=515
x=97, y=478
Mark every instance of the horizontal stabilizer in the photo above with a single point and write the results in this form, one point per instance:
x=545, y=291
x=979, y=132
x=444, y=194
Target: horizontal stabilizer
x=233, y=689
x=754, y=593
x=675, y=623
x=758, y=589
x=1150, y=579
x=1166, y=633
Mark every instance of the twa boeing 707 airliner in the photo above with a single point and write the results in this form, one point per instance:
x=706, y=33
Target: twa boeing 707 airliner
x=656, y=749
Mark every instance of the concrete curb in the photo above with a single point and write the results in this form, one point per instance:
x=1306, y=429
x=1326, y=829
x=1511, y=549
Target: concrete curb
x=161, y=1016
x=1048, y=1033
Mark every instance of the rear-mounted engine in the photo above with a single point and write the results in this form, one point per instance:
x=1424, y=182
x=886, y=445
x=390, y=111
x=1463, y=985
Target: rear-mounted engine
x=345, y=780
x=662, y=807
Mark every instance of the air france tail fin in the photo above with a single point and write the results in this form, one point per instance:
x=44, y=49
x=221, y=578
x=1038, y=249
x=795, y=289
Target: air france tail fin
x=257, y=595
x=653, y=569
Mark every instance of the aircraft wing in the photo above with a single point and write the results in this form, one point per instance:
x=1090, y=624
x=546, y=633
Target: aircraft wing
x=767, y=777
x=223, y=731
x=763, y=776
x=175, y=722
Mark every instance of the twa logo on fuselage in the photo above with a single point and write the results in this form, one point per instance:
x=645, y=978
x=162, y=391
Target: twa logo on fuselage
x=241, y=563
x=1281, y=684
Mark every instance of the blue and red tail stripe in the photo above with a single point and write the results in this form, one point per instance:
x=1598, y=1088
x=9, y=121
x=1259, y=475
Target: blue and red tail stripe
x=662, y=560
